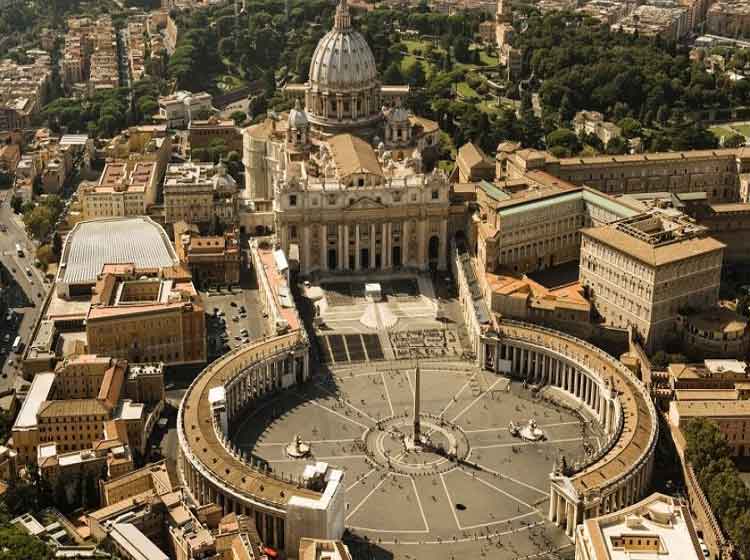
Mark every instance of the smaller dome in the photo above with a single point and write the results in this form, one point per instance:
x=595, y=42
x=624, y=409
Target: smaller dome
x=397, y=115
x=297, y=116
x=223, y=180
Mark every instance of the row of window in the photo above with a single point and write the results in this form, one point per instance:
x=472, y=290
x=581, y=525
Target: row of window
x=332, y=199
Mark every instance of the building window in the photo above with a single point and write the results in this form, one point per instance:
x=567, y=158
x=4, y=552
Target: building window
x=293, y=232
x=435, y=195
x=292, y=200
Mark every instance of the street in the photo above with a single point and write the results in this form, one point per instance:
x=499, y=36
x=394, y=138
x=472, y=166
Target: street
x=28, y=298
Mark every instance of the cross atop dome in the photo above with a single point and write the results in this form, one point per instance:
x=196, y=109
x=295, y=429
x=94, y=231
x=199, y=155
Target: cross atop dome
x=343, y=20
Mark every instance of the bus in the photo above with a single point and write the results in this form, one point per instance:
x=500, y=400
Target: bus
x=19, y=250
x=17, y=344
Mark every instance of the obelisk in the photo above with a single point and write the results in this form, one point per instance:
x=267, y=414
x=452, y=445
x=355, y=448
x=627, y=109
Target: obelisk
x=417, y=427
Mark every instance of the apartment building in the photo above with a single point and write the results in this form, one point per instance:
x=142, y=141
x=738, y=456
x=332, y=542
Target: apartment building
x=103, y=71
x=104, y=459
x=592, y=122
x=200, y=193
x=145, y=315
x=23, y=90
x=125, y=188
x=640, y=272
x=203, y=133
x=83, y=404
x=89, y=58
x=212, y=259
x=670, y=22
x=180, y=108
x=722, y=174
x=729, y=18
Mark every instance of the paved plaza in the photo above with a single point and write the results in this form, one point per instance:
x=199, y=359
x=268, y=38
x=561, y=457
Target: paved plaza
x=427, y=505
x=475, y=489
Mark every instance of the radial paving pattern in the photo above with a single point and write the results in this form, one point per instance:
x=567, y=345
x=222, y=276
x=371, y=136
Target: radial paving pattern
x=492, y=498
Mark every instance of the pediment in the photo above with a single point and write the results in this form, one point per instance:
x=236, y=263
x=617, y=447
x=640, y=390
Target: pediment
x=365, y=203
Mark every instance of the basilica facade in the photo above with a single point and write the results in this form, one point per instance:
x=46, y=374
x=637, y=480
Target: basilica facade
x=344, y=180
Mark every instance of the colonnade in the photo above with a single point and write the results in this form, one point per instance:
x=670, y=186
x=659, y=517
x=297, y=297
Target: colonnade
x=545, y=357
x=262, y=378
x=548, y=369
x=245, y=381
x=270, y=522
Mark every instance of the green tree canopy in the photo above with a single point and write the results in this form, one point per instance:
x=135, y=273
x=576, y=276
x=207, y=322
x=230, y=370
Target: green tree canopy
x=565, y=138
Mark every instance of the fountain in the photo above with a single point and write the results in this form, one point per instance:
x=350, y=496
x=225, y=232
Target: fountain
x=528, y=432
x=298, y=449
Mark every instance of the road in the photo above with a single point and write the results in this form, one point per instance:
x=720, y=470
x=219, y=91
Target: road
x=30, y=281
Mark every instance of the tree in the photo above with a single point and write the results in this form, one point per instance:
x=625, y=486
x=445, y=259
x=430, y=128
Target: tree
x=560, y=151
x=662, y=115
x=45, y=256
x=39, y=221
x=662, y=359
x=238, y=117
x=705, y=443
x=392, y=75
x=57, y=245
x=200, y=154
x=630, y=127
x=565, y=138
x=415, y=74
x=567, y=109
x=734, y=140
x=16, y=544
x=740, y=532
x=147, y=107
x=617, y=146
x=461, y=49
x=743, y=305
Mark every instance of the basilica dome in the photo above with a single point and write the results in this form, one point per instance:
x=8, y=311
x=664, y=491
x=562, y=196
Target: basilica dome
x=342, y=60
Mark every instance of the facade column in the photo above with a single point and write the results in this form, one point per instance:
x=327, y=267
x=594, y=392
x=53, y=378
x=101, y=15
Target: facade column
x=405, y=243
x=384, y=248
x=372, y=246
x=421, y=245
x=443, y=245
x=323, y=247
x=356, y=247
x=340, y=246
x=346, y=247
x=306, y=249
